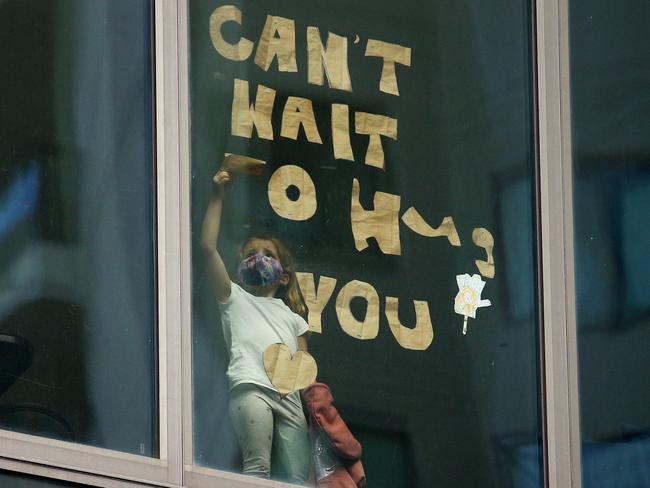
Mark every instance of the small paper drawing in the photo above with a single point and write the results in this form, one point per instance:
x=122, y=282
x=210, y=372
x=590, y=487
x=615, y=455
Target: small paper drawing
x=469, y=299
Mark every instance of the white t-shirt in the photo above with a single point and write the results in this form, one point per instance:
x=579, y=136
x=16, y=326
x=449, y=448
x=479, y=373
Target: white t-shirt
x=250, y=325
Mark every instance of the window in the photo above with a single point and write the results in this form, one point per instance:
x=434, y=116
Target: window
x=359, y=169
x=612, y=200
x=402, y=130
x=77, y=224
x=85, y=382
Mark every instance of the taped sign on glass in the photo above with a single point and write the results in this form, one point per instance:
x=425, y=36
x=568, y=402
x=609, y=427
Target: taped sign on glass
x=468, y=299
x=416, y=338
x=299, y=111
x=234, y=52
x=315, y=298
x=382, y=222
x=391, y=54
x=245, y=115
x=483, y=238
x=304, y=207
x=331, y=60
x=278, y=39
x=341, y=132
x=375, y=126
x=414, y=221
x=289, y=372
x=365, y=329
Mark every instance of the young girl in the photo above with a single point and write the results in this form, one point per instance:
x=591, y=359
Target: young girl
x=263, y=311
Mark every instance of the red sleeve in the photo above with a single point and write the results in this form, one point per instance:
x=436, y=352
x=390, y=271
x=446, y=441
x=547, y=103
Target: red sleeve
x=322, y=411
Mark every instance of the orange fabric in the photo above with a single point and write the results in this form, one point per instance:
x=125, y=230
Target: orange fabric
x=323, y=413
x=357, y=473
x=338, y=479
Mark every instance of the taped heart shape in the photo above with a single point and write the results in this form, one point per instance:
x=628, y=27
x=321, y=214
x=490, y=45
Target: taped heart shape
x=289, y=372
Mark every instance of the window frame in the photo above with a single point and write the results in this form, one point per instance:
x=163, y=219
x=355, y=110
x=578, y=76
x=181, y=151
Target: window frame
x=562, y=455
x=558, y=339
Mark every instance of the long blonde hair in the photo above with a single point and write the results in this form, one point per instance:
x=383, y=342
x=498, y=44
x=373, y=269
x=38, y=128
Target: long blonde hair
x=289, y=293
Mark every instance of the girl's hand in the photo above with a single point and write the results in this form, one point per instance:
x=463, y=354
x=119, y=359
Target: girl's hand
x=221, y=179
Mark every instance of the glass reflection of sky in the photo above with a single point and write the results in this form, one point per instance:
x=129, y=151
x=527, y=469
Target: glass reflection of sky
x=20, y=199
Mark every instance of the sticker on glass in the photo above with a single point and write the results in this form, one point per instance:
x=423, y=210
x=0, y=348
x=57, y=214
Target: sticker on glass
x=469, y=299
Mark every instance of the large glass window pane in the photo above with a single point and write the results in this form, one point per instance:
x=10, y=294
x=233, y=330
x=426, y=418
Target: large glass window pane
x=77, y=274
x=611, y=153
x=372, y=181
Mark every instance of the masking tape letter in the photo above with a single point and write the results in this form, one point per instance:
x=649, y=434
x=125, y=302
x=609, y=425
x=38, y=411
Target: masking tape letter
x=341, y=132
x=333, y=60
x=315, y=299
x=418, y=338
x=375, y=126
x=391, y=54
x=483, y=238
x=235, y=52
x=289, y=175
x=368, y=328
x=278, y=39
x=243, y=116
x=417, y=224
x=299, y=111
x=382, y=223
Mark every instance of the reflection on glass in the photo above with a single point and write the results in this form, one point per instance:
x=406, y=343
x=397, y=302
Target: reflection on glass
x=611, y=150
x=77, y=339
x=17, y=480
x=407, y=204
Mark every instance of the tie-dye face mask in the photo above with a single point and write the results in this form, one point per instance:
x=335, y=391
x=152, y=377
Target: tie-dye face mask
x=260, y=270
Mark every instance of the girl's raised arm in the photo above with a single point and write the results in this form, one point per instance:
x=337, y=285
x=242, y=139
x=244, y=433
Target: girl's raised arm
x=209, y=235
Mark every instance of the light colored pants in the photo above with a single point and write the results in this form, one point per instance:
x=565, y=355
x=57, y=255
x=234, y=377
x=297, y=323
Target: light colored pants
x=267, y=425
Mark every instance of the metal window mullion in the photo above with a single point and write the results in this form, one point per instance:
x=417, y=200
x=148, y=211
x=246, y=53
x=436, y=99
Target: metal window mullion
x=185, y=229
x=562, y=449
x=169, y=237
